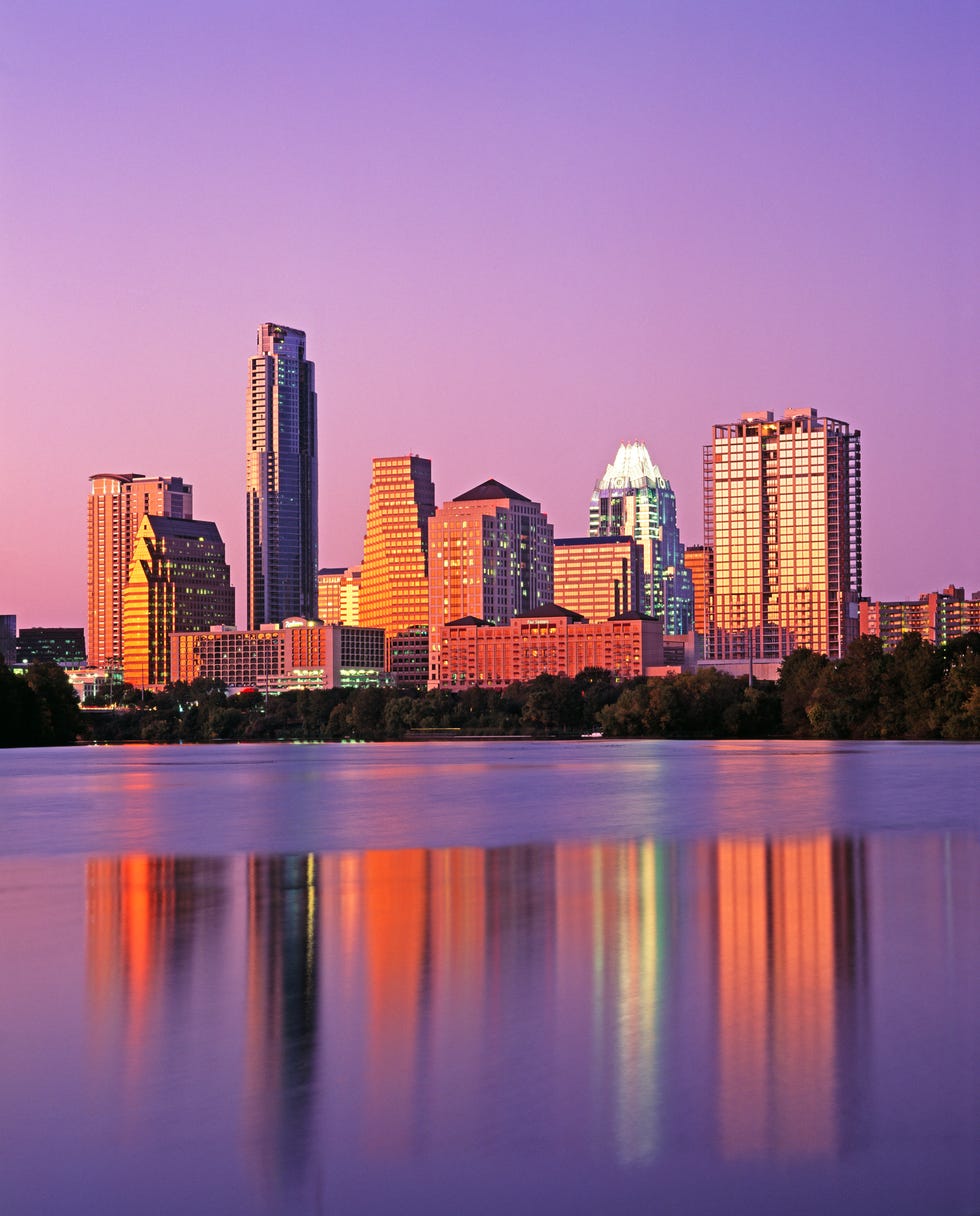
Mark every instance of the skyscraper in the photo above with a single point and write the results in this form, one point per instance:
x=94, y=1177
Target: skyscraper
x=782, y=516
x=633, y=498
x=281, y=478
x=179, y=581
x=395, y=571
x=491, y=556
x=599, y=577
x=117, y=502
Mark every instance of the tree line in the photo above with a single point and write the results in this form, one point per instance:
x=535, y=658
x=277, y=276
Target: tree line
x=917, y=691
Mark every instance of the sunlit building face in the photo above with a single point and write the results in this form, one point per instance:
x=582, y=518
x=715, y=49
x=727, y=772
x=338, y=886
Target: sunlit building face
x=783, y=521
x=394, y=592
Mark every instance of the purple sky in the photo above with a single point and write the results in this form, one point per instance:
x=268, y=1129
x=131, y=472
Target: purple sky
x=515, y=233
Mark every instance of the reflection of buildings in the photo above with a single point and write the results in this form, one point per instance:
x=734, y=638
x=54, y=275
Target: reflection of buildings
x=147, y=917
x=281, y=1007
x=791, y=957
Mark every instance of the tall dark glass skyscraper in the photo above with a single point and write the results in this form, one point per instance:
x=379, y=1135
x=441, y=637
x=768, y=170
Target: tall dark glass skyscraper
x=281, y=478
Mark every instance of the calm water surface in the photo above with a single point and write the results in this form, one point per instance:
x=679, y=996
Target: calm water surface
x=502, y=977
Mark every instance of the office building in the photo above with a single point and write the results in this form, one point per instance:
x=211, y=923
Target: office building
x=782, y=517
x=66, y=647
x=395, y=571
x=599, y=577
x=277, y=658
x=116, y=504
x=633, y=498
x=338, y=595
x=699, y=561
x=8, y=639
x=179, y=580
x=491, y=556
x=939, y=616
x=548, y=640
x=281, y=478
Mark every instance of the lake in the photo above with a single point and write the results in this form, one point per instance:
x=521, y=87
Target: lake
x=522, y=977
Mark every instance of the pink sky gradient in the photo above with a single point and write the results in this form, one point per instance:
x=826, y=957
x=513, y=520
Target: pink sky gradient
x=516, y=234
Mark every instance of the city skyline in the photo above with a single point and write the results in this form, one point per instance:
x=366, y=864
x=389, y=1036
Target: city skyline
x=527, y=235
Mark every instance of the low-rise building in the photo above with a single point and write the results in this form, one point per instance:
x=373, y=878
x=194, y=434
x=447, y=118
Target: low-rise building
x=939, y=616
x=66, y=647
x=546, y=641
x=277, y=658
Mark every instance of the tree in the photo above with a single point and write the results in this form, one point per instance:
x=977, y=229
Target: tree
x=799, y=676
x=61, y=715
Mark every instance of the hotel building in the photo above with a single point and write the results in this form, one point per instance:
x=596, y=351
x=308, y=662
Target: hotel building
x=178, y=580
x=546, y=641
x=939, y=616
x=277, y=658
x=599, y=576
x=395, y=571
x=633, y=498
x=116, y=504
x=281, y=478
x=491, y=556
x=782, y=517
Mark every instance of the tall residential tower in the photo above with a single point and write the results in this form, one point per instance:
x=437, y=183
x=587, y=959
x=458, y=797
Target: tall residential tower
x=782, y=518
x=281, y=478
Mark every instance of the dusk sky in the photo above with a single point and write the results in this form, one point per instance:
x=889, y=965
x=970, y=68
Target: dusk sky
x=516, y=234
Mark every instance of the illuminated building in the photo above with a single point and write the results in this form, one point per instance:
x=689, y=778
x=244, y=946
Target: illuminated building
x=633, y=498
x=550, y=640
x=281, y=478
x=599, y=576
x=338, y=595
x=117, y=502
x=394, y=574
x=276, y=658
x=491, y=555
x=699, y=560
x=939, y=616
x=782, y=516
x=66, y=647
x=178, y=580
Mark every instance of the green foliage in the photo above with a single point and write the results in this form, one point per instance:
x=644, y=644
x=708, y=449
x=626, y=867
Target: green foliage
x=916, y=692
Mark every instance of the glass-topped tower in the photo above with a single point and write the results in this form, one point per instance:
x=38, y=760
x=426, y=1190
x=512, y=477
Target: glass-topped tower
x=633, y=498
x=281, y=478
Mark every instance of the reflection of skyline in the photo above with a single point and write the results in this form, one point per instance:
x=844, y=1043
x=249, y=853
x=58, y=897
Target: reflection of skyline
x=791, y=959
x=402, y=1000
x=281, y=987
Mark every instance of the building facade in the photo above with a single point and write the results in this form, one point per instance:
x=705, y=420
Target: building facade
x=599, y=576
x=281, y=478
x=66, y=647
x=8, y=639
x=179, y=580
x=491, y=556
x=116, y=504
x=939, y=616
x=395, y=571
x=547, y=641
x=338, y=595
x=633, y=498
x=782, y=517
x=700, y=561
x=277, y=658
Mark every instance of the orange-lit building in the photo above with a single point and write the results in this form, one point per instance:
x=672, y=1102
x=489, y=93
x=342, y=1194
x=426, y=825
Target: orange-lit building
x=276, y=658
x=178, y=580
x=939, y=616
x=699, y=560
x=782, y=517
x=116, y=504
x=599, y=576
x=395, y=570
x=491, y=556
x=550, y=640
x=339, y=595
